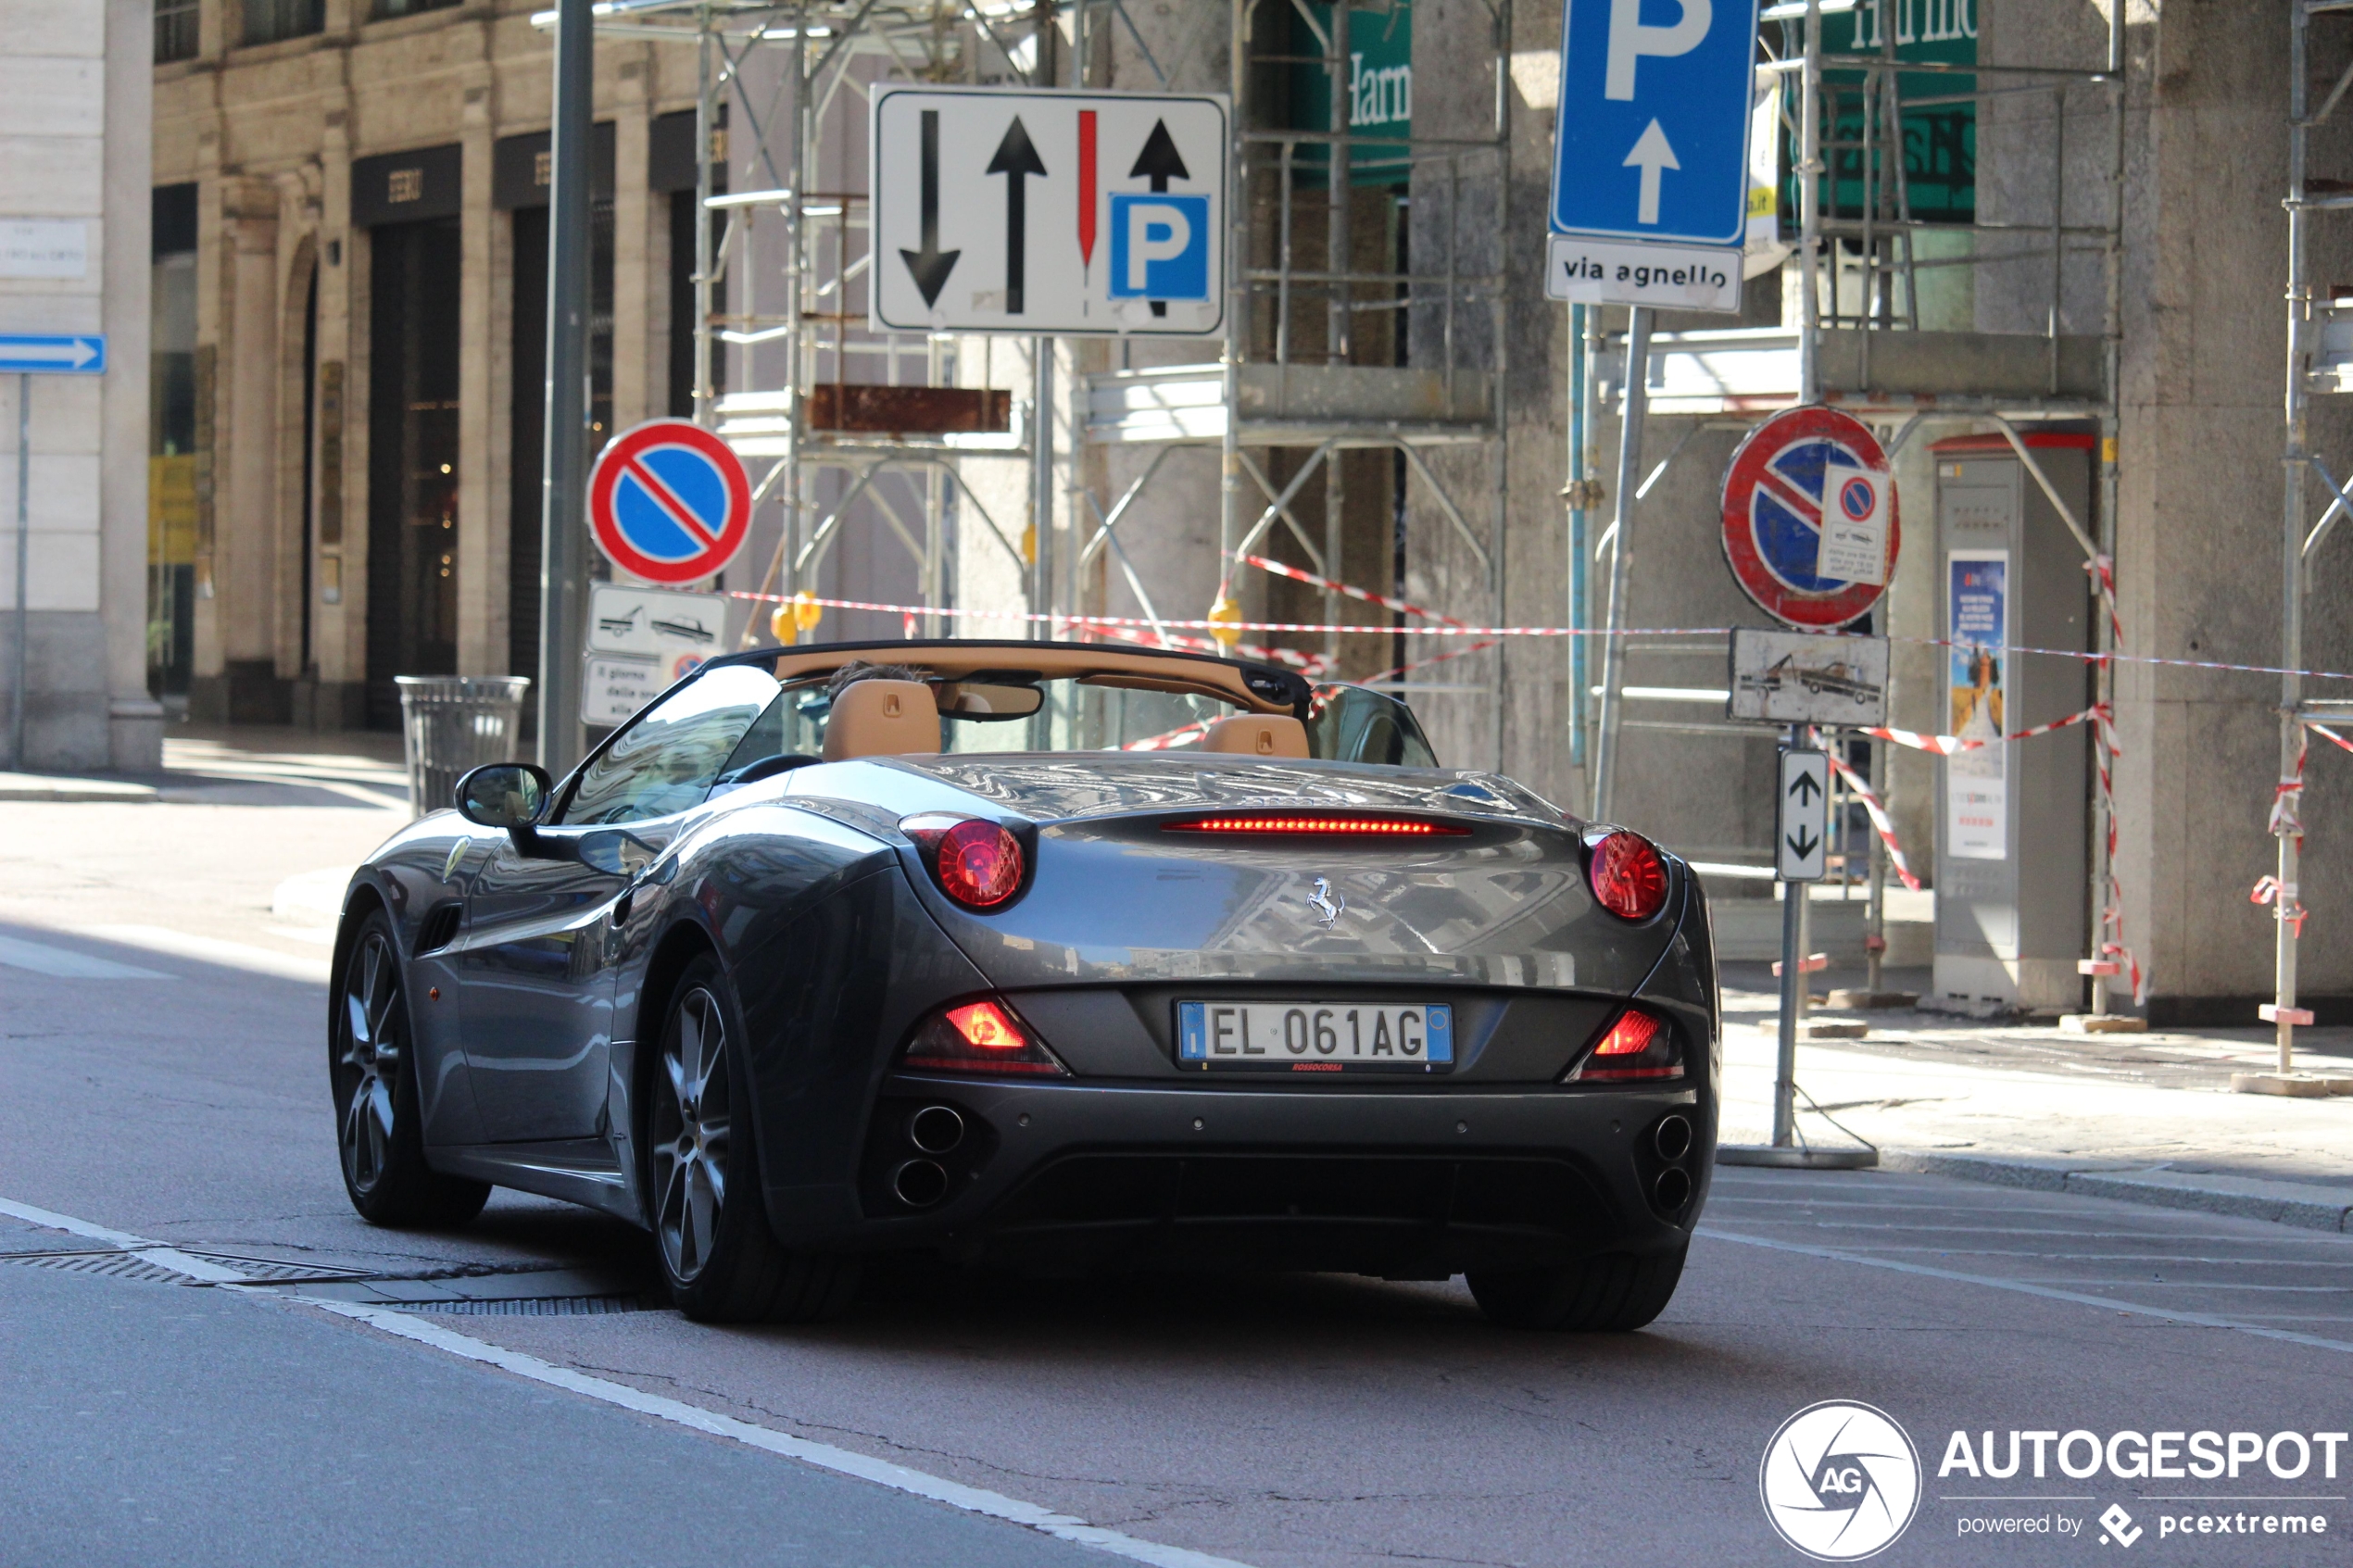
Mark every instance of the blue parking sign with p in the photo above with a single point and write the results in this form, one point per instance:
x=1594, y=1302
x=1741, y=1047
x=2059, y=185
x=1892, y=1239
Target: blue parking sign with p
x=1159, y=246
x=1652, y=137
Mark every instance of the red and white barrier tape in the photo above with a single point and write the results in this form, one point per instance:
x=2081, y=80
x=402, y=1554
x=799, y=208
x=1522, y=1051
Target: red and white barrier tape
x=1346, y=590
x=1882, y=823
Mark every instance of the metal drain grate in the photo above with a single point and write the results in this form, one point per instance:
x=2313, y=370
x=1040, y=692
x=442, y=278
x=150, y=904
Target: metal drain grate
x=275, y=1271
x=110, y=1264
x=542, y=1306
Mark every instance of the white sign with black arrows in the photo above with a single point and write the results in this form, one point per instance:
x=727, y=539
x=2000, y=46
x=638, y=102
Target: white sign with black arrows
x=1801, y=835
x=1049, y=212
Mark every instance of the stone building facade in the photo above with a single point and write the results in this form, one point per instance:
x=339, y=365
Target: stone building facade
x=74, y=87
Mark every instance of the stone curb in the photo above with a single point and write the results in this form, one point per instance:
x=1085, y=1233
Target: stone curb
x=47, y=790
x=2246, y=1197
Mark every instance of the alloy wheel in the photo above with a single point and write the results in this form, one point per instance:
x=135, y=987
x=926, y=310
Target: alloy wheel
x=690, y=1128
x=374, y=1042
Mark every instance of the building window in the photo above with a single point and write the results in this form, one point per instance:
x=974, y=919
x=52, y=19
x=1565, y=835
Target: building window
x=175, y=31
x=387, y=9
x=267, y=21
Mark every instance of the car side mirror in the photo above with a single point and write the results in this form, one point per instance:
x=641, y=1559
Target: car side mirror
x=505, y=795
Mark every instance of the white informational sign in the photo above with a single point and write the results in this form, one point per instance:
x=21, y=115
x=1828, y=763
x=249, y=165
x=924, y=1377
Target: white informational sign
x=1977, y=781
x=1801, y=836
x=999, y=210
x=1809, y=678
x=45, y=247
x=640, y=642
x=1854, y=524
x=1589, y=271
x=1764, y=249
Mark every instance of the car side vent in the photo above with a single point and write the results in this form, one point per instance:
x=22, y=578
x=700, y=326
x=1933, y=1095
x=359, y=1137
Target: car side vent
x=440, y=928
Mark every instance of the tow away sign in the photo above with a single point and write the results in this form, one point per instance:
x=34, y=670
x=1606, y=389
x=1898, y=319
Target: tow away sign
x=1049, y=212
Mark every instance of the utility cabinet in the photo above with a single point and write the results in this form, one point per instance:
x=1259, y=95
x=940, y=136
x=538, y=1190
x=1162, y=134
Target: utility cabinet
x=2012, y=819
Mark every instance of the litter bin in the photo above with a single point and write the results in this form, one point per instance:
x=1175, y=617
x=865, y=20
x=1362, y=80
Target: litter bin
x=450, y=724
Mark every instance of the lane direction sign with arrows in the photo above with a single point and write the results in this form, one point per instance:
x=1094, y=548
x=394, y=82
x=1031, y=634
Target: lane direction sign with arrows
x=1800, y=835
x=1650, y=157
x=53, y=354
x=995, y=207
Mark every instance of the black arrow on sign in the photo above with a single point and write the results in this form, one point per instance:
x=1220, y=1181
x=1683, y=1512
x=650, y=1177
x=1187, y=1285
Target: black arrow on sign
x=1017, y=160
x=1800, y=785
x=930, y=265
x=1159, y=163
x=1802, y=844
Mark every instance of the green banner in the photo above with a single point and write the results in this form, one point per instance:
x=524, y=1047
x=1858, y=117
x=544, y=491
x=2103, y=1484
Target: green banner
x=1380, y=58
x=1939, y=140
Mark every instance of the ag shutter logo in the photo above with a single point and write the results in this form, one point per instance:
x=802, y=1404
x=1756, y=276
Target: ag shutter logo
x=1840, y=1481
x=2117, y=1525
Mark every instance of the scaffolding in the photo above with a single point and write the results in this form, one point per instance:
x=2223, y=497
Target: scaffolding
x=1861, y=343
x=2319, y=354
x=825, y=393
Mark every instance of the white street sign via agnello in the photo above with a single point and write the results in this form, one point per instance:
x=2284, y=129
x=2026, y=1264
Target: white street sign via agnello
x=999, y=211
x=1650, y=155
x=1801, y=832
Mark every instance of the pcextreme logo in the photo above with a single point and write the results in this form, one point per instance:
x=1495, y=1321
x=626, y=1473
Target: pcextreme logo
x=1840, y=1481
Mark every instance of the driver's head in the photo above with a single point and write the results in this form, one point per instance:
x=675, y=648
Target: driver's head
x=859, y=670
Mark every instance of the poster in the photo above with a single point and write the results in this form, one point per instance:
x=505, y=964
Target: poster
x=1977, y=627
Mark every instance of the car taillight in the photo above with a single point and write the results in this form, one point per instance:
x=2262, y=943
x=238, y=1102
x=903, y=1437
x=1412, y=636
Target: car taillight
x=976, y=862
x=1639, y=1045
x=982, y=1037
x=1628, y=875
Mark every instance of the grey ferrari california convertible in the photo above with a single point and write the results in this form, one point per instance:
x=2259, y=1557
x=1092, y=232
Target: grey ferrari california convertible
x=1047, y=956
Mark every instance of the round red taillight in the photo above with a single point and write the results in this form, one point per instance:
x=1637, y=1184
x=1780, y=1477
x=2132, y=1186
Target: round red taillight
x=979, y=863
x=1627, y=876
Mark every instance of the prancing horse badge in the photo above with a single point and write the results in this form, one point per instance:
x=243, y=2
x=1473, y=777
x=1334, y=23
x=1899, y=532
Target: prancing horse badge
x=1328, y=908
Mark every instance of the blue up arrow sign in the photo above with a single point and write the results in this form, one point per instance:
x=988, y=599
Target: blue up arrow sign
x=1654, y=119
x=43, y=354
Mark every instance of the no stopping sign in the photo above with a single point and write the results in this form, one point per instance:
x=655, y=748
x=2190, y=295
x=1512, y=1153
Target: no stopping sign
x=668, y=502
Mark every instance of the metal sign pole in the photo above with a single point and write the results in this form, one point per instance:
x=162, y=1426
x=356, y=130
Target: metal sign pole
x=25, y=564
x=564, y=475
x=1633, y=404
x=1793, y=983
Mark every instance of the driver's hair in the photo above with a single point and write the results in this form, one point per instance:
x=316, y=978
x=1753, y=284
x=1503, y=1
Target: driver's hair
x=859, y=670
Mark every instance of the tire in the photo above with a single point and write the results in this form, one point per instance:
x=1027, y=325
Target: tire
x=719, y=1258
x=1613, y=1294
x=371, y=1071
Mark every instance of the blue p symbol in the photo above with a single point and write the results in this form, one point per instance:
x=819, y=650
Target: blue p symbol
x=1159, y=246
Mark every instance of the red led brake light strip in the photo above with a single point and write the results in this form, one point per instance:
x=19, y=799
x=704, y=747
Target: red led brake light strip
x=1377, y=827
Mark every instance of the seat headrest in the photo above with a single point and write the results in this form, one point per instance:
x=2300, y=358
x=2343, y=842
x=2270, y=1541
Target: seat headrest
x=1257, y=736
x=883, y=718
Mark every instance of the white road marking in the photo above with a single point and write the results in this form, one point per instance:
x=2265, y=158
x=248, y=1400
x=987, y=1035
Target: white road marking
x=2201, y=1320
x=64, y=964
x=215, y=951
x=825, y=1456
x=154, y=1252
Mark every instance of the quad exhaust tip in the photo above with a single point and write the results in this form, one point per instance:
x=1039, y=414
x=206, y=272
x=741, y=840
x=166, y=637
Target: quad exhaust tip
x=1673, y=1189
x=919, y=1184
x=936, y=1129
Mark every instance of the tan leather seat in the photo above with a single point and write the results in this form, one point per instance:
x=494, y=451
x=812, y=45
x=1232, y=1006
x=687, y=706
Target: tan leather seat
x=883, y=718
x=1255, y=734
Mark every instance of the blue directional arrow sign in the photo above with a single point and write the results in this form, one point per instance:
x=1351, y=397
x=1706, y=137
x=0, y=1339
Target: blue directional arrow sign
x=1654, y=119
x=53, y=354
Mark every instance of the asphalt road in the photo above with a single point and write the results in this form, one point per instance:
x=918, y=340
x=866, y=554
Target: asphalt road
x=506, y=1394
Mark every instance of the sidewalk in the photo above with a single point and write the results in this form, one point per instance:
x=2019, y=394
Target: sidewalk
x=2145, y=1118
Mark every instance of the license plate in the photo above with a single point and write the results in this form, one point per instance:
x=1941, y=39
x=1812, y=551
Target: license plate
x=1314, y=1036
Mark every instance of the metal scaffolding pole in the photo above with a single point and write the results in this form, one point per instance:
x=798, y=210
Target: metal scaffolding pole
x=2287, y=912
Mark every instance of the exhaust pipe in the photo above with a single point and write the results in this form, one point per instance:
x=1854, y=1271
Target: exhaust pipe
x=936, y=1129
x=1672, y=1137
x=919, y=1184
x=1673, y=1189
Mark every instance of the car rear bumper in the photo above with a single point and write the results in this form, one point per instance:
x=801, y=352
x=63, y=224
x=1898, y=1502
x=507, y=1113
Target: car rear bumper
x=1062, y=1175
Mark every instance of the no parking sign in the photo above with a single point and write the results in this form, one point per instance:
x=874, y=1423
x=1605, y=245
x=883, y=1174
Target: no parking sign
x=668, y=502
x=1810, y=526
